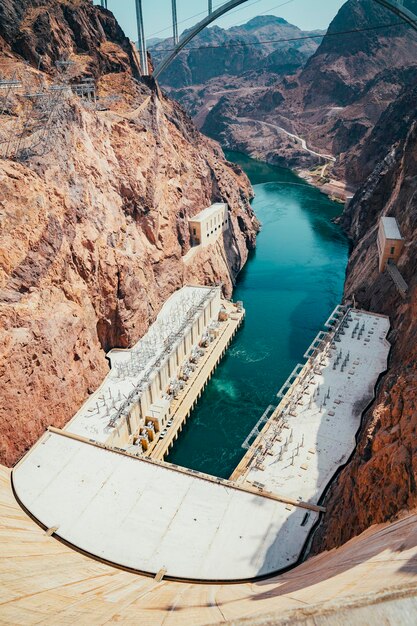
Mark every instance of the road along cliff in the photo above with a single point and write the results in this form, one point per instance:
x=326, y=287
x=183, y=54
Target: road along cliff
x=333, y=100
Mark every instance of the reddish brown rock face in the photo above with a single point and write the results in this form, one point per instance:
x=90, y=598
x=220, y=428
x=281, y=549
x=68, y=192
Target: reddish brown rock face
x=381, y=479
x=44, y=31
x=93, y=232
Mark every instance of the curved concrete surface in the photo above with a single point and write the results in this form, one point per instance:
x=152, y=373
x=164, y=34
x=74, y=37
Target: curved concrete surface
x=146, y=516
x=150, y=516
x=45, y=582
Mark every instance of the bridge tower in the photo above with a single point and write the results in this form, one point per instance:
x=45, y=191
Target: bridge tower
x=174, y=22
x=141, y=38
x=104, y=4
x=210, y=7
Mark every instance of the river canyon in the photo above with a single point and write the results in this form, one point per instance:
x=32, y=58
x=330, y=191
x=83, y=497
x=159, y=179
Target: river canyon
x=289, y=286
x=97, y=197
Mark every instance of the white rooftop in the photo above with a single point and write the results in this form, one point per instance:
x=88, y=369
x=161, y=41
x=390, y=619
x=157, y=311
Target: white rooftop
x=322, y=425
x=145, y=516
x=391, y=229
x=211, y=210
x=131, y=368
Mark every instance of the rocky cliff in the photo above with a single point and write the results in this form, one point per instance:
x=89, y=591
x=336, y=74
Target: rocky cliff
x=94, y=202
x=363, y=64
x=381, y=479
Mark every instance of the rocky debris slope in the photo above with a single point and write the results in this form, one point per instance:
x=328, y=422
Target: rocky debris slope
x=93, y=227
x=381, y=479
x=333, y=102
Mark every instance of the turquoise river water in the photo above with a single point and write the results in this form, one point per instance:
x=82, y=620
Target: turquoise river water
x=289, y=286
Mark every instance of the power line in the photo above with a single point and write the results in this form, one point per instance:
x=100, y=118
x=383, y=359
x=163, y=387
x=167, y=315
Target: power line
x=247, y=6
x=266, y=41
x=163, y=30
x=243, y=8
x=277, y=6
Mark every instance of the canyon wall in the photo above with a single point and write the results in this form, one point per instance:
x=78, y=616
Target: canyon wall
x=94, y=224
x=94, y=237
x=333, y=101
x=381, y=479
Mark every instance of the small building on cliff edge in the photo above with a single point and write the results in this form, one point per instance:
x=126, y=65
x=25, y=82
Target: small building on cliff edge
x=390, y=242
x=207, y=225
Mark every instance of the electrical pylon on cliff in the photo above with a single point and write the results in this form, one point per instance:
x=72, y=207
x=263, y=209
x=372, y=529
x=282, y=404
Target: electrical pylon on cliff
x=30, y=108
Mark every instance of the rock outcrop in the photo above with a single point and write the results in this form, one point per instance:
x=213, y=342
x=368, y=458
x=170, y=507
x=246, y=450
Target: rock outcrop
x=94, y=225
x=41, y=32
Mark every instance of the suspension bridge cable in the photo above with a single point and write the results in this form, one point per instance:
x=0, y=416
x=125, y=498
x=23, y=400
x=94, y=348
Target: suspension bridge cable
x=304, y=37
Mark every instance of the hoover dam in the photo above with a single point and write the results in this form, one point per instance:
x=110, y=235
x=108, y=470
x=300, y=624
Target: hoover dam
x=208, y=339
x=101, y=486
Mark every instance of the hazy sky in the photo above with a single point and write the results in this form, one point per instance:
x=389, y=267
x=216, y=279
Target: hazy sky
x=307, y=14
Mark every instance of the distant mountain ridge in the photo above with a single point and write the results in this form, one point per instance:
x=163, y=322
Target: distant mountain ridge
x=333, y=102
x=251, y=46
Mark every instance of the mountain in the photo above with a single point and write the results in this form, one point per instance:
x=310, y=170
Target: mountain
x=218, y=52
x=153, y=41
x=94, y=209
x=333, y=102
